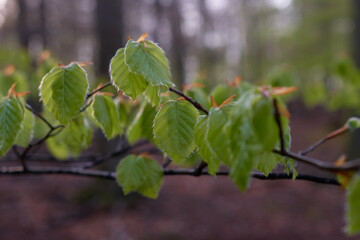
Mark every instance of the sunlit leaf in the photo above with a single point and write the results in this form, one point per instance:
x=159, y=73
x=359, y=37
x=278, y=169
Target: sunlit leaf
x=152, y=93
x=353, y=206
x=11, y=117
x=205, y=150
x=174, y=129
x=142, y=124
x=149, y=61
x=104, y=111
x=27, y=129
x=131, y=84
x=135, y=173
x=63, y=91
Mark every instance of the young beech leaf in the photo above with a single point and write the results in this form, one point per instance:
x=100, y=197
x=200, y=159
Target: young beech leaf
x=104, y=111
x=267, y=161
x=124, y=110
x=27, y=130
x=63, y=91
x=264, y=124
x=147, y=59
x=221, y=92
x=215, y=135
x=11, y=117
x=174, y=129
x=243, y=143
x=205, y=151
x=130, y=83
x=353, y=123
x=57, y=147
x=72, y=140
x=135, y=173
x=141, y=126
x=152, y=93
x=353, y=206
x=241, y=170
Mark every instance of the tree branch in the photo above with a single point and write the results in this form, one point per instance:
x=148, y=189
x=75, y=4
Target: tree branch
x=170, y=172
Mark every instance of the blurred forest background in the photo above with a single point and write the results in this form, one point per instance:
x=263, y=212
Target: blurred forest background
x=313, y=44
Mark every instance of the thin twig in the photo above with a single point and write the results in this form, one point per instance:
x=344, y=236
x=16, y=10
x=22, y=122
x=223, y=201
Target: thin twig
x=190, y=100
x=92, y=93
x=97, y=90
x=278, y=122
x=331, y=135
x=166, y=163
x=353, y=165
x=27, y=106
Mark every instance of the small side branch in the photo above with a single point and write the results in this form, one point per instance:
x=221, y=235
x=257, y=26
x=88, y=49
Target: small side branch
x=331, y=135
x=278, y=122
x=190, y=100
x=97, y=90
x=28, y=107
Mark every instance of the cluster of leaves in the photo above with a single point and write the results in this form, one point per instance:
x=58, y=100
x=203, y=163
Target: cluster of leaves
x=234, y=127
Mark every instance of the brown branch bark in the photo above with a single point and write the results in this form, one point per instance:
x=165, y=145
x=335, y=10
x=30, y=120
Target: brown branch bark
x=170, y=172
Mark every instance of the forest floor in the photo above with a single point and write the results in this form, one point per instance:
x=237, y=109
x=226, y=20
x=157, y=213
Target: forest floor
x=70, y=207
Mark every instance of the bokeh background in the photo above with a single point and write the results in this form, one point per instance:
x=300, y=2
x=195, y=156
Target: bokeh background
x=313, y=44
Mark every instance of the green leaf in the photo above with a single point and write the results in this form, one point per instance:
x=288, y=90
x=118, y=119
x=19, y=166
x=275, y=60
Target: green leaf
x=27, y=130
x=135, y=173
x=63, y=91
x=123, y=112
x=142, y=125
x=11, y=117
x=130, y=83
x=104, y=111
x=215, y=135
x=264, y=124
x=221, y=93
x=174, y=129
x=199, y=95
x=192, y=160
x=57, y=147
x=148, y=61
x=243, y=141
x=72, y=140
x=353, y=123
x=267, y=161
x=353, y=206
x=205, y=150
x=241, y=170
x=77, y=135
x=152, y=93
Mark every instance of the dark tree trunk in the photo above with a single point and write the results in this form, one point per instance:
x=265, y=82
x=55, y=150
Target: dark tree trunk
x=42, y=30
x=22, y=24
x=109, y=31
x=178, y=46
x=357, y=32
